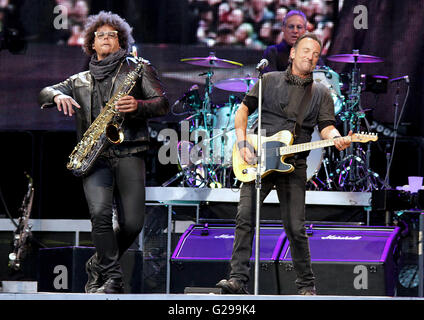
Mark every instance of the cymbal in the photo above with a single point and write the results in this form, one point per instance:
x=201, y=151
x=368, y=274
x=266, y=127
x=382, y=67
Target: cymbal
x=212, y=62
x=354, y=57
x=236, y=84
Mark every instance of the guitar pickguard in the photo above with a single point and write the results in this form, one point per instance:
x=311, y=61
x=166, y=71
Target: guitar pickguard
x=272, y=157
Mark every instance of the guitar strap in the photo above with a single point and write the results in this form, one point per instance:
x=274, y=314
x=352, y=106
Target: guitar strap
x=306, y=99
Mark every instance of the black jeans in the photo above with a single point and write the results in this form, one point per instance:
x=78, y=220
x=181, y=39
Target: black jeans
x=121, y=179
x=291, y=190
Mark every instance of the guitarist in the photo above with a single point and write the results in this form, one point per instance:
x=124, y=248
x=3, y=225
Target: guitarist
x=291, y=101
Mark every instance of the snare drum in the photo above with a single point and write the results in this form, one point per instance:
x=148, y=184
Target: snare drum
x=331, y=80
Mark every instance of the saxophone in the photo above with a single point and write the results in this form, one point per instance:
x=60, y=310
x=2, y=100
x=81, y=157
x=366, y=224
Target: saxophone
x=23, y=231
x=104, y=131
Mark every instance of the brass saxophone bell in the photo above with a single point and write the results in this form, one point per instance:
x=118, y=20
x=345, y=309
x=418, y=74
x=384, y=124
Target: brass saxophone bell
x=114, y=133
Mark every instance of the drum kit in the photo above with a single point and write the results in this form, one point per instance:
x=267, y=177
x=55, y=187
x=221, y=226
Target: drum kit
x=205, y=160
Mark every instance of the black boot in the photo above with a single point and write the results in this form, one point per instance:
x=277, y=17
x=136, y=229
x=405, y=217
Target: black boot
x=233, y=286
x=95, y=280
x=307, y=291
x=112, y=286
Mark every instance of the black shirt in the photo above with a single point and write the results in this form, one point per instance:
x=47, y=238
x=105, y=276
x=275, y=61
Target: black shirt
x=278, y=56
x=280, y=104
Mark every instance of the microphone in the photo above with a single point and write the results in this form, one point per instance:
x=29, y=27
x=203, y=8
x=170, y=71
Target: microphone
x=184, y=97
x=262, y=64
x=406, y=78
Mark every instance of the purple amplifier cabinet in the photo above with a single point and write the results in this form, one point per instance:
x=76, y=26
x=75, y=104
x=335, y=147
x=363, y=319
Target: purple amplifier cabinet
x=203, y=253
x=347, y=260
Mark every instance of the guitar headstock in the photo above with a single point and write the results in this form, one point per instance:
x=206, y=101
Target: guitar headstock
x=364, y=137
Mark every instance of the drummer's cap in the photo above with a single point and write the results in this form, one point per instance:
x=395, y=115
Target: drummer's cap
x=294, y=13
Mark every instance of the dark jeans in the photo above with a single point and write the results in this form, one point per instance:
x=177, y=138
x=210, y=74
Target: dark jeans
x=291, y=194
x=121, y=179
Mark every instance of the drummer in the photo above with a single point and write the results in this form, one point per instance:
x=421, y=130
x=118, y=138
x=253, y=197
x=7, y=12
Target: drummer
x=294, y=26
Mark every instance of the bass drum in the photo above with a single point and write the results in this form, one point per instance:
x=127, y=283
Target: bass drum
x=315, y=157
x=331, y=80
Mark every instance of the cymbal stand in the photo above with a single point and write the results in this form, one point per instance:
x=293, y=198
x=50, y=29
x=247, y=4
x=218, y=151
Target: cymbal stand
x=206, y=102
x=202, y=122
x=328, y=180
x=353, y=169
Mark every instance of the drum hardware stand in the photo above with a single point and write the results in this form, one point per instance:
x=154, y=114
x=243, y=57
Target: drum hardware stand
x=174, y=178
x=185, y=174
x=214, y=173
x=328, y=180
x=352, y=162
x=352, y=104
x=205, y=115
x=208, y=91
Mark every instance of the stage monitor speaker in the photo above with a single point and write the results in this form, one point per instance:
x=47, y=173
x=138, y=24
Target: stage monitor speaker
x=347, y=260
x=203, y=253
x=63, y=269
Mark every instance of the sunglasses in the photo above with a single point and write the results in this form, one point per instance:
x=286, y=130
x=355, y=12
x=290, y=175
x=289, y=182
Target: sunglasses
x=102, y=34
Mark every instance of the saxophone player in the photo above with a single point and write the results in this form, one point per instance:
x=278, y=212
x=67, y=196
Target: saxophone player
x=117, y=177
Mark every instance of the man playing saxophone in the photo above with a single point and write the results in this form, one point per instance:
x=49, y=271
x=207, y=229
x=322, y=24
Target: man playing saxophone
x=117, y=177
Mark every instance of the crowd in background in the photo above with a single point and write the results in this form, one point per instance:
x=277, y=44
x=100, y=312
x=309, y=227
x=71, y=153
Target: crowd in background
x=258, y=23
x=245, y=23
x=77, y=13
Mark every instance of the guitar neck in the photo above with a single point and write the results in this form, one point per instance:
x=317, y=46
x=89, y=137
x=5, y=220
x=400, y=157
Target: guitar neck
x=296, y=148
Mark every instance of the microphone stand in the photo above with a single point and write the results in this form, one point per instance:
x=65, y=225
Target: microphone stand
x=258, y=185
x=389, y=155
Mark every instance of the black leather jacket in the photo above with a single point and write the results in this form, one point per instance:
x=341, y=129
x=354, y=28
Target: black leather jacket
x=149, y=92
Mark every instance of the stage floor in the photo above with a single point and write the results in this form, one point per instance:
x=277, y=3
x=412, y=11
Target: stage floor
x=191, y=297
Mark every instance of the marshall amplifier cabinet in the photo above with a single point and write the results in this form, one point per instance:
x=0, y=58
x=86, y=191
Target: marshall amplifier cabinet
x=347, y=260
x=203, y=253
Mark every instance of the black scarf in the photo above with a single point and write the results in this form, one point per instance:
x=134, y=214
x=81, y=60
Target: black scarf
x=296, y=80
x=100, y=69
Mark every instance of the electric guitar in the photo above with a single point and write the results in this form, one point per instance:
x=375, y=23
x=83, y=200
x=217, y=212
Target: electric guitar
x=279, y=147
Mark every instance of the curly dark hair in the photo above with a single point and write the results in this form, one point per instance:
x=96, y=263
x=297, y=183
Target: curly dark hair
x=106, y=18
